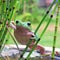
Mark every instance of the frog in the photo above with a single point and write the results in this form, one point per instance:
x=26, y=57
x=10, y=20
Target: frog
x=23, y=33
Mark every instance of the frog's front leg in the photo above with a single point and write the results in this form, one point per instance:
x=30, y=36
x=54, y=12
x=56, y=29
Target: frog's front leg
x=38, y=47
x=31, y=34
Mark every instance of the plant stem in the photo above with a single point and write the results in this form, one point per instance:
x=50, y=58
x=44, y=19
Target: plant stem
x=55, y=34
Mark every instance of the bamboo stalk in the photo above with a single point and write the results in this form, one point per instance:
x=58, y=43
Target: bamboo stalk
x=41, y=34
x=5, y=21
x=13, y=39
x=44, y=17
x=7, y=18
x=2, y=12
x=55, y=34
x=5, y=29
x=21, y=56
x=38, y=28
x=49, y=21
x=40, y=37
x=3, y=44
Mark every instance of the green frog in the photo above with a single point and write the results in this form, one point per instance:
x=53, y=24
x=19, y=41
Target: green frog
x=23, y=33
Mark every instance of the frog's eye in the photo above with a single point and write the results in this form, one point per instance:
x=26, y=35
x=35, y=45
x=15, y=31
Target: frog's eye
x=17, y=22
x=28, y=23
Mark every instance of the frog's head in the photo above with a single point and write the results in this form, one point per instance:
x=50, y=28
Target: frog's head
x=17, y=23
x=23, y=24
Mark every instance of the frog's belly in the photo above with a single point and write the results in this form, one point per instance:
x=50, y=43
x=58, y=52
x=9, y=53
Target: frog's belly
x=21, y=38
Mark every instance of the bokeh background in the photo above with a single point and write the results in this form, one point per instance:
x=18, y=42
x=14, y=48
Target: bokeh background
x=33, y=11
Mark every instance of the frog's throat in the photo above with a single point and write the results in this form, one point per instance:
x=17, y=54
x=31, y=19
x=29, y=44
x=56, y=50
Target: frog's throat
x=12, y=26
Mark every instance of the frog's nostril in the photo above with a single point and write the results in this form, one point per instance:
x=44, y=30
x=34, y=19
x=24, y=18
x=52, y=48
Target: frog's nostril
x=28, y=23
x=17, y=21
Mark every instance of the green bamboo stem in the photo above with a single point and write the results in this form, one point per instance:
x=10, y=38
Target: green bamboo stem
x=4, y=42
x=48, y=21
x=1, y=15
x=4, y=27
x=32, y=49
x=5, y=18
x=20, y=58
x=5, y=30
x=37, y=40
x=46, y=27
x=39, y=26
x=13, y=39
x=42, y=32
x=10, y=34
x=0, y=10
x=40, y=37
x=9, y=13
x=55, y=34
x=44, y=16
x=4, y=21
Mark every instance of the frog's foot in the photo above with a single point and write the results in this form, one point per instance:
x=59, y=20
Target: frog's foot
x=38, y=48
x=57, y=53
x=41, y=49
x=31, y=34
x=11, y=25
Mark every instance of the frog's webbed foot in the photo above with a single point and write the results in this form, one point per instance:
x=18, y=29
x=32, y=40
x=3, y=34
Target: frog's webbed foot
x=32, y=37
x=11, y=25
x=31, y=34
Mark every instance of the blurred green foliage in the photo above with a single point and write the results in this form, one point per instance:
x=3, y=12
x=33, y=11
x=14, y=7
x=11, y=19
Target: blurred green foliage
x=26, y=10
